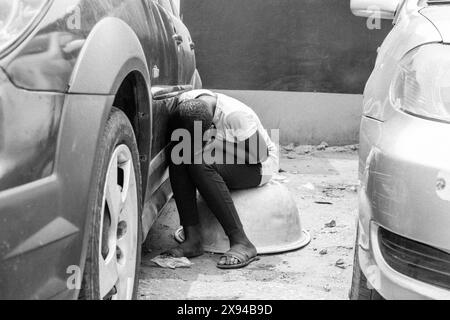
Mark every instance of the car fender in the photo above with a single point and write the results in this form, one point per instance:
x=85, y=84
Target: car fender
x=83, y=121
x=112, y=50
x=410, y=32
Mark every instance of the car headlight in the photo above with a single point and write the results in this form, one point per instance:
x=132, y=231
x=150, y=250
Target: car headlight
x=421, y=84
x=17, y=17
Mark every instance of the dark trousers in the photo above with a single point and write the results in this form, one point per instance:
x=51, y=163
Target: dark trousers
x=214, y=183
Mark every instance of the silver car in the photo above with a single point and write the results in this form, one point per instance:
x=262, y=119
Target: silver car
x=87, y=89
x=403, y=243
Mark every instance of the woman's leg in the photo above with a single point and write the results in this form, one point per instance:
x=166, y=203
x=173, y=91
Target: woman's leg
x=214, y=183
x=185, y=195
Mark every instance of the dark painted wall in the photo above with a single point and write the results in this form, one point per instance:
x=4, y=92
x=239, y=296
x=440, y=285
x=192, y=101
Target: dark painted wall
x=286, y=45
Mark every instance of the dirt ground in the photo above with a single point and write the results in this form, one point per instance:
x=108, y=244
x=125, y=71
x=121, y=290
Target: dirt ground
x=324, y=183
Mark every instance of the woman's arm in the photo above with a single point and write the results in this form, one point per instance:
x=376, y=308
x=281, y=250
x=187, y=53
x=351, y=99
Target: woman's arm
x=254, y=150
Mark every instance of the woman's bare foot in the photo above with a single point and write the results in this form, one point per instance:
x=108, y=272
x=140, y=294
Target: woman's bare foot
x=192, y=247
x=187, y=249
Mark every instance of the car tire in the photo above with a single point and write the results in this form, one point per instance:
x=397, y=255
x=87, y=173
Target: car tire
x=115, y=235
x=360, y=289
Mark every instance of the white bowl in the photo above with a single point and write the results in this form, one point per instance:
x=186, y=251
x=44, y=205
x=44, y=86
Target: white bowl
x=270, y=218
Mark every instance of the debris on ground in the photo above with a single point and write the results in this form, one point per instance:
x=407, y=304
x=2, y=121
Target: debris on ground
x=288, y=148
x=309, y=186
x=168, y=262
x=341, y=264
x=323, y=252
x=304, y=150
x=327, y=288
x=280, y=178
x=350, y=148
x=337, y=190
x=331, y=224
x=345, y=247
x=324, y=203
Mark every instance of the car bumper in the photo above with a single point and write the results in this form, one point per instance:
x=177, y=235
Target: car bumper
x=405, y=188
x=29, y=130
x=388, y=282
x=48, y=144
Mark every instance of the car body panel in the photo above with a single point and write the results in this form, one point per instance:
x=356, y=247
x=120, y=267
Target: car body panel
x=29, y=126
x=111, y=69
x=42, y=232
x=399, y=41
x=401, y=162
x=438, y=15
x=58, y=61
x=402, y=173
x=390, y=283
x=62, y=54
x=186, y=55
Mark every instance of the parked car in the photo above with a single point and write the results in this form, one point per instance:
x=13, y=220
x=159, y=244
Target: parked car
x=86, y=90
x=403, y=243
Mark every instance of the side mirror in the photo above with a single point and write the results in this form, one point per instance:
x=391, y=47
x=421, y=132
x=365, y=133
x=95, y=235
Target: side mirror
x=383, y=9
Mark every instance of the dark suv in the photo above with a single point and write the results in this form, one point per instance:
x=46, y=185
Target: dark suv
x=86, y=90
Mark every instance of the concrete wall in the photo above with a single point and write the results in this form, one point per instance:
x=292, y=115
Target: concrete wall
x=306, y=118
x=277, y=55
x=282, y=45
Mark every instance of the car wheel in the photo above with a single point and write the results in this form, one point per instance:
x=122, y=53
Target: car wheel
x=113, y=257
x=360, y=289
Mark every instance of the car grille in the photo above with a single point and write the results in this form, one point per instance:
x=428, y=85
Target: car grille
x=415, y=260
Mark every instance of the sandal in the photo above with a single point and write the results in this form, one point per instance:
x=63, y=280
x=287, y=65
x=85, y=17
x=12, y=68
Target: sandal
x=244, y=259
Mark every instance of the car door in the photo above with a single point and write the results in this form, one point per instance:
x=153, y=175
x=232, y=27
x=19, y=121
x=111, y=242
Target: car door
x=182, y=40
x=160, y=49
x=165, y=86
x=186, y=50
x=164, y=93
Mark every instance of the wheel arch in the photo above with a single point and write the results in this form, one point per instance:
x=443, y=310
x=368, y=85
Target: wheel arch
x=112, y=50
x=132, y=97
x=114, y=54
x=111, y=68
